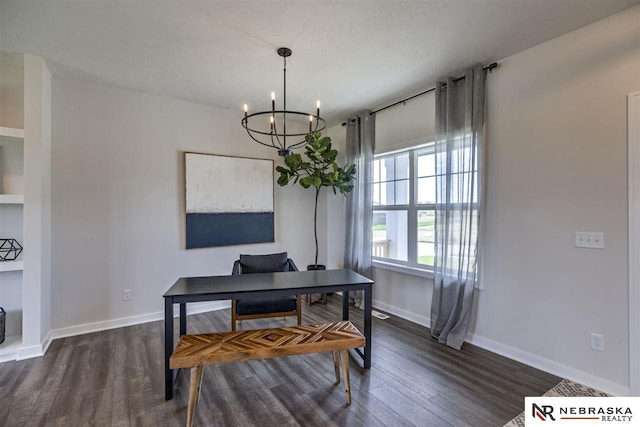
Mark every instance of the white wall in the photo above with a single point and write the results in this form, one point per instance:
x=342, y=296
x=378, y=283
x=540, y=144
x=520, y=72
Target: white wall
x=399, y=126
x=557, y=165
x=11, y=90
x=118, y=202
x=335, y=205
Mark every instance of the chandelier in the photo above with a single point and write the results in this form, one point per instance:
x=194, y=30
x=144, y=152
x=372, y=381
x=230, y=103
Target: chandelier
x=270, y=127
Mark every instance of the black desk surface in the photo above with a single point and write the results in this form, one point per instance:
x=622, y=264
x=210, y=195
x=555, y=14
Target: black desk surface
x=316, y=281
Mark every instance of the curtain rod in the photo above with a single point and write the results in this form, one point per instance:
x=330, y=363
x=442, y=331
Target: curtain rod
x=489, y=68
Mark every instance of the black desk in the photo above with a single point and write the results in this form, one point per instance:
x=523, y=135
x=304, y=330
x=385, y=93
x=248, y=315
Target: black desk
x=193, y=289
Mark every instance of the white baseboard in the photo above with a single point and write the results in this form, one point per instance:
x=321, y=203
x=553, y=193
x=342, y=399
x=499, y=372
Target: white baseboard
x=30, y=352
x=532, y=360
x=549, y=366
x=35, y=350
x=192, y=308
x=46, y=342
x=407, y=315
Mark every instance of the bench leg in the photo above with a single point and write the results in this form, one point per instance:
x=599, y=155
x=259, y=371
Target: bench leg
x=194, y=393
x=345, y=369
x=336, y=365
x=200, y=385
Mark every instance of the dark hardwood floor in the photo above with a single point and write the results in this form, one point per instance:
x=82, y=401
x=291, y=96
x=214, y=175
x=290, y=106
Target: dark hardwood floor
x=115, y=378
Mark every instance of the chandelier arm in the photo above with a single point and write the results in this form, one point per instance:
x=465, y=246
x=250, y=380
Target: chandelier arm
x=260, y=142
x=304, y=142
x=277, y=135
x=298, y=144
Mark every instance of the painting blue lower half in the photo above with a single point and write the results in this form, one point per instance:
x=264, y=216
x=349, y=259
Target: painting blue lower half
x=225, y=229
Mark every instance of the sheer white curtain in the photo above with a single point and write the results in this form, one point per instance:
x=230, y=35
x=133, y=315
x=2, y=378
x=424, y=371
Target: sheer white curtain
x=359, y=212
x=459, y=152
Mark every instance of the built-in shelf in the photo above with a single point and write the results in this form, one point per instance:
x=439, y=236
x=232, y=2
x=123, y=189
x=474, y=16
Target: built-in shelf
x=11, y=199
x=12, y=132
x=11, y=265
x=10, y=348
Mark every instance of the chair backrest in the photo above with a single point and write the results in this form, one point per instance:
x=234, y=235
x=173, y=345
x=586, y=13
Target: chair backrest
x=269, y=263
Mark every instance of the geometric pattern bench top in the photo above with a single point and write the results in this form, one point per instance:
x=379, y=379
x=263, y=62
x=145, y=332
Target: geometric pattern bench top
x=197, y=350
x=236, y=346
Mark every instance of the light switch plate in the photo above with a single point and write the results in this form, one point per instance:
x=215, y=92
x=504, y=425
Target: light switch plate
x=590, y=240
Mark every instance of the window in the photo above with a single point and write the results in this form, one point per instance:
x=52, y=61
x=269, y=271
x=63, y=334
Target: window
x=404, y=190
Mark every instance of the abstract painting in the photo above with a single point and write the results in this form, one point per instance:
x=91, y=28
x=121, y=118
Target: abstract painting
x=229, y=200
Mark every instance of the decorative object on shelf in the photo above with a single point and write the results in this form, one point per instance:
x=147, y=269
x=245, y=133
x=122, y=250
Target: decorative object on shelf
x=3, y=321
x=270, y=127
x=9, y=249
x=318, y=170
x=229, y=200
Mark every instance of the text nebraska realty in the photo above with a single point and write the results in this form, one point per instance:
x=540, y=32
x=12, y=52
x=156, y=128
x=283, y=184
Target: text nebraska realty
x=609, y=413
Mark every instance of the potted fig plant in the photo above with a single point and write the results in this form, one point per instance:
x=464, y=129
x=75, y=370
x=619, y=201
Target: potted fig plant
x=317, y=170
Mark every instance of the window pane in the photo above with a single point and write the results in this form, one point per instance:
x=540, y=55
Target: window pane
x=426, y=164
x=402, y=192
x=390, y=235
x=426, y=190
x=402, y=166
x=426, y=234
x=376, y=194
x=387, y=171
x=388, y=196
x=376, y=171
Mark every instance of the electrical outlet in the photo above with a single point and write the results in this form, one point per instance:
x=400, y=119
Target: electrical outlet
x=597, y=342
x=126, y=295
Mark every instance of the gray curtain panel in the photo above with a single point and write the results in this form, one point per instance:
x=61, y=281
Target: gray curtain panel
x=459, y=167
x=359, y=215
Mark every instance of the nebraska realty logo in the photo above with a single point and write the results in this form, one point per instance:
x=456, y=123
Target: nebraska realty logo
x=582, y=411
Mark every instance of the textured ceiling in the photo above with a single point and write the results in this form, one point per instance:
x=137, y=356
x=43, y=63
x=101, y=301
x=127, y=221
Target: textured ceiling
x=352, y=55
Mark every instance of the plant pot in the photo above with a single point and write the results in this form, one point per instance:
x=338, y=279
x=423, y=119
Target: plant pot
x=323, y=297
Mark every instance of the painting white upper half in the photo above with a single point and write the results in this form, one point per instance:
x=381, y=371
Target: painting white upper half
x=219, y=184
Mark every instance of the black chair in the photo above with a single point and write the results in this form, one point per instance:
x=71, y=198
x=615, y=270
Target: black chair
x=251, y=308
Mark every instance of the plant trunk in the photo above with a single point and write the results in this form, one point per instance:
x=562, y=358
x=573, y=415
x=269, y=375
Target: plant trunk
x=315, y=223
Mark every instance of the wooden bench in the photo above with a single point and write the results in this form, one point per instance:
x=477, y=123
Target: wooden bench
x=198, y=350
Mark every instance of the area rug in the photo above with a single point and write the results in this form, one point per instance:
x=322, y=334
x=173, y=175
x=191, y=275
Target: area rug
x=566, y=388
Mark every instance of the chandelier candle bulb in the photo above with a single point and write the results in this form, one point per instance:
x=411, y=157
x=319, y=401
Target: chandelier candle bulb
x=246, y=109
x=318, y=108
x=310, y=122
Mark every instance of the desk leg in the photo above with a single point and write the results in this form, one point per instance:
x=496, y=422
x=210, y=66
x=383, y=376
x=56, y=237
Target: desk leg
x=168, y=347
x=183, y=318
x=368, y=301
x=345, y=305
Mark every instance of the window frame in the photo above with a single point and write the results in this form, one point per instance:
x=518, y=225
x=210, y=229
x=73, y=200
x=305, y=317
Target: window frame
x=411, y=266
